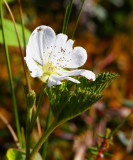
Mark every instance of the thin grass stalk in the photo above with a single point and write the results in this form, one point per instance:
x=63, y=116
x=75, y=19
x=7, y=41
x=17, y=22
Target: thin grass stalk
x=68, y=16
x=44, y=148
x=22, y=24
x=11, y=130
x=20, y=48
x=10, y=77
x=77, y=19
x=64, y=22
x=120, y=125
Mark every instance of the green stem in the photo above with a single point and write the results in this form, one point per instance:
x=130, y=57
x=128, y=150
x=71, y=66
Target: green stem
x=38, y=108
x=77, y=19
x=22, y=24
x=10, y=78
x=64, y=22
x=44, y=149
x=42, y=140
x=28, y=135
x=68, y=16
x=120, y=125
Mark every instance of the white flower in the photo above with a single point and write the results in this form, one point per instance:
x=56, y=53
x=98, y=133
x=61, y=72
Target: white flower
x=49, y=56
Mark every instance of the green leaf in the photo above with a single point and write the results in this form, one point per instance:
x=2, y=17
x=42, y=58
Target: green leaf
x=15, y=154
x=69, y=100
x=10, y=33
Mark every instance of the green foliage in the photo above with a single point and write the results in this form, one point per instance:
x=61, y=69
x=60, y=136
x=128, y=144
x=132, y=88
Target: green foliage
x=15, y=154
x=11, y=34
x=69, y=100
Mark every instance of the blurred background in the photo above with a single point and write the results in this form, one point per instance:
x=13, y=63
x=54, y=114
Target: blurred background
x=105, y=30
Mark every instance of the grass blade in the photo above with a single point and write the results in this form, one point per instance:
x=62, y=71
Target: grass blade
x=77, y=19
x=68, y=16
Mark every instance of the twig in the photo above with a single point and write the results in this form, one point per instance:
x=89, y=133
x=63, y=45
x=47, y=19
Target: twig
x=11, y=130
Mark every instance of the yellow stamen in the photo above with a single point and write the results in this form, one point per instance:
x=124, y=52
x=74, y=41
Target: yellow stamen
x=49, y=68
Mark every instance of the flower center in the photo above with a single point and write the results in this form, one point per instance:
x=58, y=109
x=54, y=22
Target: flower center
x=49, y=68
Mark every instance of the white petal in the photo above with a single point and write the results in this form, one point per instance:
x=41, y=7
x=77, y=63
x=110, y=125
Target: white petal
x=86, y=73
x=72, y=79
x=33, y=67
x=53, y=80
x=56, y=80
x=59, y=46
x=67, y=57
x=77, y=58
x=40, y=44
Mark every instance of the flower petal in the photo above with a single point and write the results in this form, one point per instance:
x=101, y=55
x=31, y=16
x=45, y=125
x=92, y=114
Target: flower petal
x=32, y=65
x=40, y=44
x=59, y=46
x=53, y=80
x=38, y=50
x=72, y=79
x=67, y=57
x=86, y=73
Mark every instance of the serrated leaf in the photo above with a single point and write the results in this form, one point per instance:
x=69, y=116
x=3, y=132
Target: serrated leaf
x=102, y=81
x=15, y=154
x=69, y=99
x=10, y=34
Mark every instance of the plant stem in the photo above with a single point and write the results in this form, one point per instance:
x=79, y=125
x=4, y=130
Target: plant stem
x=77, y=19
x=10, y=77
x=64, y=22
x=20, y=48
x=44, y=149
x=38, y=108
x=68, y=16
x=120, y=125
x=28, y=135
x=22, y=24
x=11, y=130
x=42, y=140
